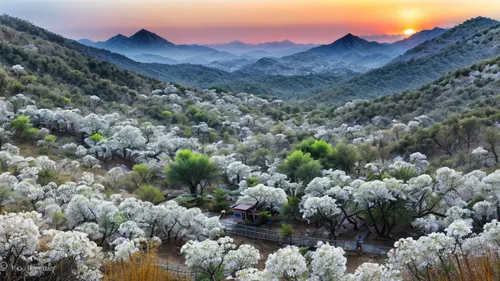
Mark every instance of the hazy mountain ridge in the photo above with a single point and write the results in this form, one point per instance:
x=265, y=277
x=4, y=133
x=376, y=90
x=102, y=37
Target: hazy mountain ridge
x=419, y=37
x=269, y=49
x=382, y=81
x=402, y=75
x=269, y=58
x=350, y=51
x=294, y=87
x=146, y=42
x=451, y=36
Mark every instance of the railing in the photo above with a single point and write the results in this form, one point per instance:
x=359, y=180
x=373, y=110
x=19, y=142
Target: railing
x=301, y=241
x=180, y=273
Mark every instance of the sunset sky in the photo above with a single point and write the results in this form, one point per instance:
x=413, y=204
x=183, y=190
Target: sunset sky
x=216, y=21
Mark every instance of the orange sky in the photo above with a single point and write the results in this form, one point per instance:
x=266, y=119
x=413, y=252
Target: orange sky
x=210, y=21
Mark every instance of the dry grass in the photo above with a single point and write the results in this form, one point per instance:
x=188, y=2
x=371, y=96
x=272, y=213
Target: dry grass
x=143, y=266
x=465, y=268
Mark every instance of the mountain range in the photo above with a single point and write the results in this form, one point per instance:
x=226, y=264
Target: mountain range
x=146, y=43
x=350, y=52
x=271, y=58
x=472, y=41
x=267, y=49
x=434, y=53
x=146, y=46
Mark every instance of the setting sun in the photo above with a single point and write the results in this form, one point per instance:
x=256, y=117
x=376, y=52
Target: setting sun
x=409, y=32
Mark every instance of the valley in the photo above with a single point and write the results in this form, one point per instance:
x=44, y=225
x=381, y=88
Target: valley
x=136, y=158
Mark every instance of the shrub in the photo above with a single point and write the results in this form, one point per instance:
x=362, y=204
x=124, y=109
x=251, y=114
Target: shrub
x=286, y=230
x=264, y=217
x=219, y=202
x=150, y=193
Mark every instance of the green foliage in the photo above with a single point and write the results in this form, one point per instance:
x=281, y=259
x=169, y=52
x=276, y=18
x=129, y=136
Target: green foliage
x=286, y=230
x=59, y=219
x=251, y=181
x=344, y=156
x=97, y=137
x=31, y=134
x=166, y=113
x=219, y=201
x=492, y=138
x=22, y=125
x=192, y=170
x=318, y=149
x=264, y=217
x=150, y=193
x=46, y=175
x=5, y=194
x=367, y=153
x=300, y=166
x=404, y=173
x=291, y=209
x=144, y=172
x=50, y=138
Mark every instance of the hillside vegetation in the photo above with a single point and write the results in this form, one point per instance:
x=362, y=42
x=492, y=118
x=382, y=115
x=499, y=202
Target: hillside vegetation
x=103, y=170
x=399, y=76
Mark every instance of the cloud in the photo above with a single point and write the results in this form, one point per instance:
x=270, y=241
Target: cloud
x=384, y=38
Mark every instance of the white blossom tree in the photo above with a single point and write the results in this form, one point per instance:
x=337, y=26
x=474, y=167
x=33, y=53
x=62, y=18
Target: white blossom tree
x=287, y=264
x=261, y=196
x=212, y=258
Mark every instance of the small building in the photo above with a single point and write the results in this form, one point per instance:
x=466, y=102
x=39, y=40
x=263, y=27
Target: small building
x=243, y=212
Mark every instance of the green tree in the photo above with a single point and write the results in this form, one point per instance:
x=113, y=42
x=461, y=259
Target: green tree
x=192, y=170
x=31, y=134
x=21, y=125
x=344, y=156
x=300, y=166
x=492, y=137
x=470, y=130
x=219, y=201
x=286, y=231
x=150, y=193
x=50, y=140
x=291, y=209
x=317, y=148
x=367, y=153
x=144, y=173
x=445, y=137
x=5, y=194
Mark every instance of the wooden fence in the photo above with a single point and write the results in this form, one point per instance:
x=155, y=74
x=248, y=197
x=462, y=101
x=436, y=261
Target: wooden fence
x=180, y=273
x=301, y=241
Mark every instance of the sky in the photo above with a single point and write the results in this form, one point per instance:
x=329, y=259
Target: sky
x=254, y=21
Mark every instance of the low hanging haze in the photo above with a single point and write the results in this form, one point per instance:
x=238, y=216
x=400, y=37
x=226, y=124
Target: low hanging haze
x=253, y=21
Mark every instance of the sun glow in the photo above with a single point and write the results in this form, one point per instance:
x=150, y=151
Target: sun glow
x=409, y=32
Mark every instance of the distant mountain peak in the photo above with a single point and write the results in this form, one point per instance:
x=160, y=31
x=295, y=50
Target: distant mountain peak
x=117, y=38
x=350, y=39
x=143, y=33
x=437, y=28
x=146, y=37
x=349, y=36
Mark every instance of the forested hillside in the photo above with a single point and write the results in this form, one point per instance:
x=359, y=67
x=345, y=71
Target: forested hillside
x=402, y=75
x=107, y=174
